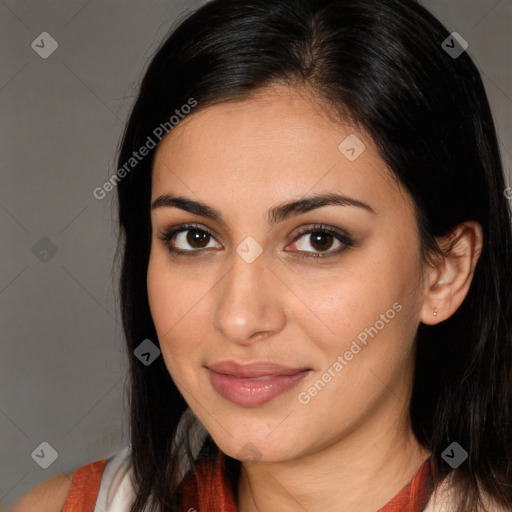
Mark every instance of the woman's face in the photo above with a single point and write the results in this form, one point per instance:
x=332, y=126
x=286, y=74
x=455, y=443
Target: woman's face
x=249, y=289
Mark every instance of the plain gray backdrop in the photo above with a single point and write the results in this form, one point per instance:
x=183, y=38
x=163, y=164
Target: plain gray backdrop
x=62, y=366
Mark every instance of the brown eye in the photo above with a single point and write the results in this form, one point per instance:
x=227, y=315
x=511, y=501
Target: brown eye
x=197, y=238
x=187, y=239
x=318, y=241
x=321, y=241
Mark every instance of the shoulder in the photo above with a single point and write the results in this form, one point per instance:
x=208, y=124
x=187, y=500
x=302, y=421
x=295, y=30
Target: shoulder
x=48, y=496
x=76, y=490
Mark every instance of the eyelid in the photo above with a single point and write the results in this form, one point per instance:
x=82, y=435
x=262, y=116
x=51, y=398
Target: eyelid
x=339, y=234
x=170, y=232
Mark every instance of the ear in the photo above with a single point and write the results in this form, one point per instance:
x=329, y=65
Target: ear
x=448, y=282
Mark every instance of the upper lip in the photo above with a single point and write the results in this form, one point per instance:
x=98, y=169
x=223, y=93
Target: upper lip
x=253, y=369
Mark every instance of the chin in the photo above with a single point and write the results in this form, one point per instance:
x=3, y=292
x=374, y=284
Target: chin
x=253, y=449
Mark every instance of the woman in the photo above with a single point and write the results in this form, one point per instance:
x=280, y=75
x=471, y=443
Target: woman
x=316, y=283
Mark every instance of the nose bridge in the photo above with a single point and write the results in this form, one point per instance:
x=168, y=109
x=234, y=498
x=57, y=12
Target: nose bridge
x=247, y=302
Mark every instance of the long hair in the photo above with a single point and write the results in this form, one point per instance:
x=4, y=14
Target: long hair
x=380, y=64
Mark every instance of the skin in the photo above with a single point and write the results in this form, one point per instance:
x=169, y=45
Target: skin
x=48, y=496
x=351, y=447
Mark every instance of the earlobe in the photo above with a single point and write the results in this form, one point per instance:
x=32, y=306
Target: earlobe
x=450, y=279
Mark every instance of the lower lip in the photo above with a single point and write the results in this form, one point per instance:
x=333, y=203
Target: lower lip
x=253, y=392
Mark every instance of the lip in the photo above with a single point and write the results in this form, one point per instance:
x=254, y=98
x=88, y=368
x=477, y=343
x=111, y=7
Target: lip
x=255, y=383
x=253, y=369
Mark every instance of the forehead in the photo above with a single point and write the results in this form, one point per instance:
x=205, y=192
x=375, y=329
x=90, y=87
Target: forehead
x=277, y=144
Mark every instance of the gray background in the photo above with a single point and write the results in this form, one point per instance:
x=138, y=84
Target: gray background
x=62, y=366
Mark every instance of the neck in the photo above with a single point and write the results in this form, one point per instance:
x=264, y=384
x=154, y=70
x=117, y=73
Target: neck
x=360, y=472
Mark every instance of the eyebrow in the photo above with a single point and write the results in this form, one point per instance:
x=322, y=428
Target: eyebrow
x=275, y=215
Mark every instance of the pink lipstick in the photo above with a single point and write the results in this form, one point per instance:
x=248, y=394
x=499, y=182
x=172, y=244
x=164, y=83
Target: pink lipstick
x=255, y=383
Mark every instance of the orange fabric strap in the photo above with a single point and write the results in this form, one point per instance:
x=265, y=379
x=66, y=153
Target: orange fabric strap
x=85, y=487
x=415, y=495
x=207, y=489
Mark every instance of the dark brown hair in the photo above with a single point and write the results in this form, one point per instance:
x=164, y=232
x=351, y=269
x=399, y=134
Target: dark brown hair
x=381, y=64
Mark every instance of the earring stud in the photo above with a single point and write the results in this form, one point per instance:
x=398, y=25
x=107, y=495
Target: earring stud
x=435, y=311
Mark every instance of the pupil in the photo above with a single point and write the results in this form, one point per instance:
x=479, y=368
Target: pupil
x=197, y=237
x=318, y=238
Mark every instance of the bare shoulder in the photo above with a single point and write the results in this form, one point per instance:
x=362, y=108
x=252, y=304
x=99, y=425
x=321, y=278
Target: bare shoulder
x=48, y=496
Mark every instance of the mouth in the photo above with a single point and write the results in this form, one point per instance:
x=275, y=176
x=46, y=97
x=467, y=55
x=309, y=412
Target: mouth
x=253, y=384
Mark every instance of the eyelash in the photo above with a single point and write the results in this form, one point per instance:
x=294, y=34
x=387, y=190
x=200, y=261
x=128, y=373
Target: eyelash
x=340, y=235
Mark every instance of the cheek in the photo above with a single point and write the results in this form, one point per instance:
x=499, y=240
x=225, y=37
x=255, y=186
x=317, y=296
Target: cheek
x=168, y=298
x=371, y=296
x=171, y=293
x=160, y=296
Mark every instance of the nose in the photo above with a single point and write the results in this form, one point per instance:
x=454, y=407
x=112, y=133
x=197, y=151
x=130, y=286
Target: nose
x=249, y=302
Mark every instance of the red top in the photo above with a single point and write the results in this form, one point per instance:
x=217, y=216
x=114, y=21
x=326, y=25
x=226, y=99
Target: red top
x=84, y=489
x=215, y=494
x=208, y=490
